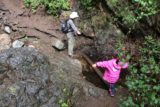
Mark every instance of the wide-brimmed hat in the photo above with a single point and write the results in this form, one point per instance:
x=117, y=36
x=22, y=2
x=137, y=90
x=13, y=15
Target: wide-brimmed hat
x=74, y=15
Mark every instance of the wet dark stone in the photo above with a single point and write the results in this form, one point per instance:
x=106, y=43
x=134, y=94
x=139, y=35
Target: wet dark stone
x=24, y=79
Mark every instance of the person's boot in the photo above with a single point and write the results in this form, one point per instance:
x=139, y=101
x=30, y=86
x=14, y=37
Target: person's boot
x=73, y=56
x=111, y=93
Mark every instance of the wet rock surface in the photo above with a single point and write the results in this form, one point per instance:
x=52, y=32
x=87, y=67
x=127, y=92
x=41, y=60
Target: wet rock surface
x=28, y=79
x=24, y=74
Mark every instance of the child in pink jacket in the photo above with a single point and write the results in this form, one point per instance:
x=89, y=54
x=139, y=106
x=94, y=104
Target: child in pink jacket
x=112, y=72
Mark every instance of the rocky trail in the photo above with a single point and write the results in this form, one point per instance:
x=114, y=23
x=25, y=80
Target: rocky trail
x=23, y=22
x=41, y=31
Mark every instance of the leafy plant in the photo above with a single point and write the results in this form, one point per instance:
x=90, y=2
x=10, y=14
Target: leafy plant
x=63, y=104
x=53, y=6
x=65, y=101
x=128, y=16
x=27, y=3
x=133, y=10
x=123, y=53
x=145, y=7
x=33, y=3
x=86, y=4
x=143, y=81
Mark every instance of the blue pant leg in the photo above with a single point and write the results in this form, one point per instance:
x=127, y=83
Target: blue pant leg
x=112, y=87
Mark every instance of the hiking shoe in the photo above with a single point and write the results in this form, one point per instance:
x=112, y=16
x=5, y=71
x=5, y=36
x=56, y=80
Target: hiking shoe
x=73, y=56
x=111, y=94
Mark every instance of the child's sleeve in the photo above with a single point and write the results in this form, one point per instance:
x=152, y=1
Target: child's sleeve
x=125, y=65
x=102, y=64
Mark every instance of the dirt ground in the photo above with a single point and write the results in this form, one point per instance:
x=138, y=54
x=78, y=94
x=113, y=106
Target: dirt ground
x=40, y=28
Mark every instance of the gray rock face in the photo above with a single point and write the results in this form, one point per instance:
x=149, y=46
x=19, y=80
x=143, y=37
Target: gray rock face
x=24, y=74
x=27, y=80
x=105, y=43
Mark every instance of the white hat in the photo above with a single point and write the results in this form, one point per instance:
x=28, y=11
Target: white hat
x=73, y=15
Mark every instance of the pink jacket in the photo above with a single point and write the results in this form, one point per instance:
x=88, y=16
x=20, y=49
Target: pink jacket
x=112, y=70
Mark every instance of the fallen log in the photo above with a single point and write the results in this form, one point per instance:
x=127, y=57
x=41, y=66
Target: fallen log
x=90, y=62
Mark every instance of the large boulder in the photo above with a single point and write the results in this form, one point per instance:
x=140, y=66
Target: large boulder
x=105, y=42
x=82, y=92
x=27, y=79
x=24, y=78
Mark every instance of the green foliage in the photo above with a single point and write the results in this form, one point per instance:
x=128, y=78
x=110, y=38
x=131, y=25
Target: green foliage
x=33, y=3
x=123, y=53
x=145, y=7
x=128, y=16
x=143, y=82
x=51, y=5
x=54, y=5
x=66, y=101
x=114, y=2
x=133, y=10
x=27, y=3
x=86, y=4
x=63, y=103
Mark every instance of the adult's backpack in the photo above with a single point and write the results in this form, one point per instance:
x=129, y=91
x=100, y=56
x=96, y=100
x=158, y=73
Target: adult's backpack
x=64, y=26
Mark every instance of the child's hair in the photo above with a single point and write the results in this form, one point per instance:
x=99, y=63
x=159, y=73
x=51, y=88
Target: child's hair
x=115, y=55
x=117, y=61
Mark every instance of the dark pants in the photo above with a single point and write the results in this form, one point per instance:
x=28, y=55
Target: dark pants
x=111, y=87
